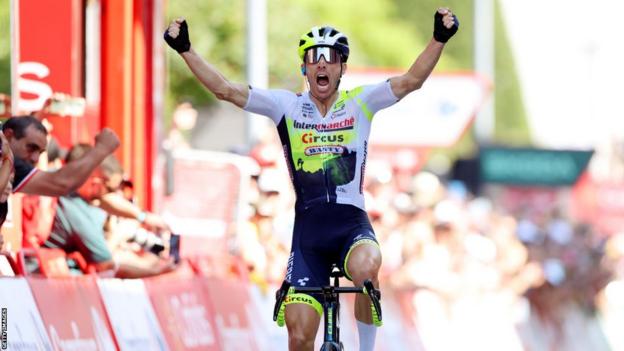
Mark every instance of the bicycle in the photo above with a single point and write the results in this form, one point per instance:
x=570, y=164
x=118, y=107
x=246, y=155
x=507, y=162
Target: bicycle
x=331, y=305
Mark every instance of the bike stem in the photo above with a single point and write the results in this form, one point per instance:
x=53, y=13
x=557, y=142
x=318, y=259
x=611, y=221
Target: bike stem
x=330, y=308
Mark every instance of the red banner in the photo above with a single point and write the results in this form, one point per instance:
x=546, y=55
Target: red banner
x=72, y=314
x=599, y=203
x=232, y=309
x=203, y=215
x=184, y=312
x=48, y=51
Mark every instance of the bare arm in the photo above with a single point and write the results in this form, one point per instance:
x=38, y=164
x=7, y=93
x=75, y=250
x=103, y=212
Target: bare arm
x=117, y=205
x=177, y=37
x=420, y=70
x=130, y=265
x=73, y=174
x=414, y=78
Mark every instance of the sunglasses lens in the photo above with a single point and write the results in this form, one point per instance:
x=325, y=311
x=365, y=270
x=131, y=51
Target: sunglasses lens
x=314, y=55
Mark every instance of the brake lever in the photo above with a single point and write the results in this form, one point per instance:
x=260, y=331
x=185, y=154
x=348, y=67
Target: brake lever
x=375, y=296
x=280, y=295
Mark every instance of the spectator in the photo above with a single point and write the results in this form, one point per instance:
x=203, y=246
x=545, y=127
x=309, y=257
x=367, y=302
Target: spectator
x=113, y=201
x=79, y=226
x=27, y=138
x=38, y=211
x=6, y=177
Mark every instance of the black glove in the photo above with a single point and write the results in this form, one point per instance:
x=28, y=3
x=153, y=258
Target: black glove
x=440, y=32
x=181, y=43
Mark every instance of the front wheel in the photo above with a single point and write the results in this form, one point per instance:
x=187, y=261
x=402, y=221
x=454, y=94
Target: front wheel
x=332, y=346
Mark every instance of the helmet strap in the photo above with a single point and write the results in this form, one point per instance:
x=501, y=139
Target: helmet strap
x=338, y=83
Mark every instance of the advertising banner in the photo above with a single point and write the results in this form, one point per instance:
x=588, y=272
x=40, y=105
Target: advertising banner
x=202, y=214
x=42, y=64
x=600, y=203
x=185, y=313
x=437, y=115
x=131, y=315
x=233, y=313
x=73, y=322
x=22, y=327
x=529, y=166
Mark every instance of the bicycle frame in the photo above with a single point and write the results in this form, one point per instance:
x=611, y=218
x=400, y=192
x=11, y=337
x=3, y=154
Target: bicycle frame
x=331, y=306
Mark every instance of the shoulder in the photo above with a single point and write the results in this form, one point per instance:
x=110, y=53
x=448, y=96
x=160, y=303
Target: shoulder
x=23, y=172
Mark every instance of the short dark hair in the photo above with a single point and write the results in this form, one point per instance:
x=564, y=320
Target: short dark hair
x=18, y=125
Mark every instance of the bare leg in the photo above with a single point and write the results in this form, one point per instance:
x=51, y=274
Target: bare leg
x=364, y=263
x=302, y=322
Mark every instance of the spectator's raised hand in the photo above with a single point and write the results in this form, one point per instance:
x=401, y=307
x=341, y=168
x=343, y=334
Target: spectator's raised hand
x=107, y=140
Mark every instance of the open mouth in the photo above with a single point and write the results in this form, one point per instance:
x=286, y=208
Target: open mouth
x=322, y=80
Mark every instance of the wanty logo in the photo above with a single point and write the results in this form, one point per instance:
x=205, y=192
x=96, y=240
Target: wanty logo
x=303, y=281
x=327, y=149
x=327, y=127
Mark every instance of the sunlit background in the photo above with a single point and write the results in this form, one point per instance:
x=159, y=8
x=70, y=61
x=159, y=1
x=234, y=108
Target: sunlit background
x=497, y=198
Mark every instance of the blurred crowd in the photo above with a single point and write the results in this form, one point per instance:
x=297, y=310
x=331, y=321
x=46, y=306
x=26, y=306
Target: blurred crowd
x=517, y=278
x=77, y=203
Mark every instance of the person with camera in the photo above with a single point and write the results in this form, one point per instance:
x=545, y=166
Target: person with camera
x=79, y=226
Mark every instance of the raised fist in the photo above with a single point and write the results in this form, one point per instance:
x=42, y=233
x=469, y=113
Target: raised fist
x=177, y=36
x=445, y=25
x=107, y=140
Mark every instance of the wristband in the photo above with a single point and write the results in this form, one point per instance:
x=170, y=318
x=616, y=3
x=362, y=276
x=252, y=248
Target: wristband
x=141, y=217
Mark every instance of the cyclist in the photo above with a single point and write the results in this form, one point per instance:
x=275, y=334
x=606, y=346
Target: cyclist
x=324, y=133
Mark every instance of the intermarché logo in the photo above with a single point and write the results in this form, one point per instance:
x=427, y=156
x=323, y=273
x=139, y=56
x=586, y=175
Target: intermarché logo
x=3, y=335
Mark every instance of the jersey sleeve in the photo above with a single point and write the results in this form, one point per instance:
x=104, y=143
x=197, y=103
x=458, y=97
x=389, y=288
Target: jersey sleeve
x=378, y=96
x=23, y=173
x=269, y=102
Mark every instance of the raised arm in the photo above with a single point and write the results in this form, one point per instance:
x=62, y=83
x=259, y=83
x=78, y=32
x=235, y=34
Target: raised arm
x=71, y=176
x=115, y=204
x=177, y=37
x=445, y=26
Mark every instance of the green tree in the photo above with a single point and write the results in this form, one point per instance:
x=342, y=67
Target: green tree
x=382, y=33
x=5, y=48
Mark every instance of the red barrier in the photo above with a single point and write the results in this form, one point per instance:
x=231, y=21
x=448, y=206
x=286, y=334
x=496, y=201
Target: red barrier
x=185, y=313
x=132, y=316
x=232, y=312
x=72, y=313
x=23, y=326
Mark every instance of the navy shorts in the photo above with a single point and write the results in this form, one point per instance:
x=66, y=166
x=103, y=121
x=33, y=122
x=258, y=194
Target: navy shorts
x=325, y=235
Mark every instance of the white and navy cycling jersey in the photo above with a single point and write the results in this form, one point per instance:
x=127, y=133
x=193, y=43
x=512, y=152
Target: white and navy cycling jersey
x=326, y=155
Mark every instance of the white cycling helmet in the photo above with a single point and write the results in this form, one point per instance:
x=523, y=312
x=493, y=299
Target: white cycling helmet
x=324, y=36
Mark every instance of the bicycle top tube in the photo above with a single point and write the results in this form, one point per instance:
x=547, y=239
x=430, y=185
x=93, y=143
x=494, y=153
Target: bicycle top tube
x=329, y=288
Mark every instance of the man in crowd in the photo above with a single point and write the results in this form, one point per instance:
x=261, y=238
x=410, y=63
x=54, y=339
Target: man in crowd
x=27, y=138
x=79, y=226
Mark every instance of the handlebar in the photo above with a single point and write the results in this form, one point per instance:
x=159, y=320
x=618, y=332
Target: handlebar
x=368, y=289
